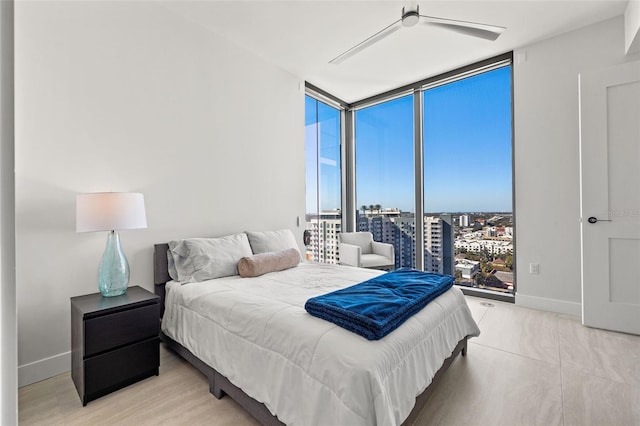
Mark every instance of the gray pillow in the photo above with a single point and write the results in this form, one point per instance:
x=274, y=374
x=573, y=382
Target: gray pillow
x=171, y=265
x=268, y=241
x=200, y=259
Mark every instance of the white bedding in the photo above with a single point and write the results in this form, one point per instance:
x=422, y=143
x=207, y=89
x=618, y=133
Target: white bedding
x=308, y=371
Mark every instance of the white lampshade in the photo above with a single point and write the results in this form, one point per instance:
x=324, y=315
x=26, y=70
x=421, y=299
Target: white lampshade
x=107, y=211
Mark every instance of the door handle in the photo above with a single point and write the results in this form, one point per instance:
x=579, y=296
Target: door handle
x=595, y=219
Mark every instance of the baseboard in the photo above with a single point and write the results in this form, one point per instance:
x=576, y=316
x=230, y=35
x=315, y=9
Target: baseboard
x=551, y=305
x=44, y=369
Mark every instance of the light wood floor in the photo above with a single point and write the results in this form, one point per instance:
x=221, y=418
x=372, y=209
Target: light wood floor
x=527, y=367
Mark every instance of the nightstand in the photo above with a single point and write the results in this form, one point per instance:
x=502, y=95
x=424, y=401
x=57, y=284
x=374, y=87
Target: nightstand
x=114, y=341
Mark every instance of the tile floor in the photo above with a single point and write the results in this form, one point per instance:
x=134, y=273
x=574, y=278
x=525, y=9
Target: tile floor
x=531, y=367
x=528, y=367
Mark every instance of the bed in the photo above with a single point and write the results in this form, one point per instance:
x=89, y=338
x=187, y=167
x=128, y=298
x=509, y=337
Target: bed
x=255, y=342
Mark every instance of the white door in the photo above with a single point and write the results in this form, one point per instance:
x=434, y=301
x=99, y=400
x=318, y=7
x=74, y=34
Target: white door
x=610, y=197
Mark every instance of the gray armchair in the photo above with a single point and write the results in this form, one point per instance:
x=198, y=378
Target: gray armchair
x=359, y=249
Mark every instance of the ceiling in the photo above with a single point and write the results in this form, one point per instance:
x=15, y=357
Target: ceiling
x=302, y=36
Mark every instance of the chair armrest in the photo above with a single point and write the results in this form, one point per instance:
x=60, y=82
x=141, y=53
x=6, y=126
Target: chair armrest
x=350, y=254
x=384, y=249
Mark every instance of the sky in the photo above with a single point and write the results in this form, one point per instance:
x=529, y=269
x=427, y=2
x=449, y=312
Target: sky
x=467, y=149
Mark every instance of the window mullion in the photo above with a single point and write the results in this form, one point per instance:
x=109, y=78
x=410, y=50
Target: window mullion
x=419, y=181
x=349, y=217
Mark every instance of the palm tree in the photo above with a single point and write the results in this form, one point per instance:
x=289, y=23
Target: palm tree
x=378, y=207
x=371, y=207
x=364, y=209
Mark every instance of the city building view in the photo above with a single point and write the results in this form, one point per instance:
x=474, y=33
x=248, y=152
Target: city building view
x=476, y=248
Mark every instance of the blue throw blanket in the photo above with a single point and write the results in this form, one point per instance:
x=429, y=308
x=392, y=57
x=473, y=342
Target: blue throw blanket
x=376, y=307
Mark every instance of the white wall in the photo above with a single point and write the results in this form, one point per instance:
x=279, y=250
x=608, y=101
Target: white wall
x=547, y=159
x=126, y=96
x=8, y=333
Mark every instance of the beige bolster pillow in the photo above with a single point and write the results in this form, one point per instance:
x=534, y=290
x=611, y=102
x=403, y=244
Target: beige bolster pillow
x=259, y=264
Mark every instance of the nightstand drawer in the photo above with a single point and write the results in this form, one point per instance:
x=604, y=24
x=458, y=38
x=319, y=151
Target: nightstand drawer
x=114, y=330
x=113, y=370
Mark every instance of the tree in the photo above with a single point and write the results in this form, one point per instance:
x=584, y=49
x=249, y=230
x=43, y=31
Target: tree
x=371, y=206
x=508, y=261
x=378, y=207
x=493, y=281
x=364, y=209
x=485, y=253
x=472, y=256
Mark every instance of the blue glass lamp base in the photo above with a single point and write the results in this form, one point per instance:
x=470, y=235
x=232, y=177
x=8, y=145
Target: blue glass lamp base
x=113, y=273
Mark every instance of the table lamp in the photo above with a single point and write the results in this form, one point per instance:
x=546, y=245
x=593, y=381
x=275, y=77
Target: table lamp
x=111, y=211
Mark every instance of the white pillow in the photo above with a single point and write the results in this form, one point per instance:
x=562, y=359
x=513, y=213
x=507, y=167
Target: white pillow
x=268, y=241
x=200, y=259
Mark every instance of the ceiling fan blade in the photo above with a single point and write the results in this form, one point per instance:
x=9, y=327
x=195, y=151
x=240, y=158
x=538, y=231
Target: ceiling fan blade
x=475, y=29
x=368, y=42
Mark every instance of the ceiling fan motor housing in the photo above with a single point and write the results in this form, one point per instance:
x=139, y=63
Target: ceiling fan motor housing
x=410, y=18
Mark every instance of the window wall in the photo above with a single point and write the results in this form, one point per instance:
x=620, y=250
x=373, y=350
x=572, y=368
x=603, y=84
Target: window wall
x=467, y=150
x=384, y=175
x=429, y=169
x=323, y=181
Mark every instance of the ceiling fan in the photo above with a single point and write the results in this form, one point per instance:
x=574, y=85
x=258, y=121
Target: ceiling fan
x=411, y=18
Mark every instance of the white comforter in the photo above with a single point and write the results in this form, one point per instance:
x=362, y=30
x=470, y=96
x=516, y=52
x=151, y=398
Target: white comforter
x=308, y=371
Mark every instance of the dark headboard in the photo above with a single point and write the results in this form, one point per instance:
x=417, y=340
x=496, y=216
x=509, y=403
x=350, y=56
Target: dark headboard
x=160, y=271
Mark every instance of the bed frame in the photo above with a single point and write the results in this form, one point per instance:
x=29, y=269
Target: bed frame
x=220, y=386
